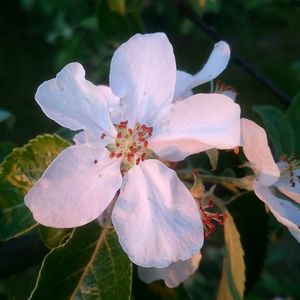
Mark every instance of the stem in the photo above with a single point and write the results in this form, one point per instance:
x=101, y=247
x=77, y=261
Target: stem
x=242, y=183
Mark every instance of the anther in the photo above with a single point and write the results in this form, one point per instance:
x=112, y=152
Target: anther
x=123, y=124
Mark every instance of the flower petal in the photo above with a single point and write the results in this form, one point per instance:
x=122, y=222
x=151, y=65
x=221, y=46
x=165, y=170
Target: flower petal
x=291, y=191
x=199, y=123
x=183, y=79
x=256, y=148
x=113, y=103
x=92, y=140
x=156, y=217
x=288, y=183
x=284, y=211
x=174, y=274
x=75, y=103
x=80, y=138
x=215, y=65
x=105, y=217
x=71, y=191
x=143, y=75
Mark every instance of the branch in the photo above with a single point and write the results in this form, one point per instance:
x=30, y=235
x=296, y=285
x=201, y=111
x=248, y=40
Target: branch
x=235, y=57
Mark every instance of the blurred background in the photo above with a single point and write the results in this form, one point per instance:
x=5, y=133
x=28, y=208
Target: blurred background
x=39, y=37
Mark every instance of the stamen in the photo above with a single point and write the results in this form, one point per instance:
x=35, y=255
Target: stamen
x=131, y=144
x=123, y=124
x=209, y=218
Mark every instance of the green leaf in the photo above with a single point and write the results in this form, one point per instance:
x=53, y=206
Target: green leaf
x=66, y=134
x=233, y=279
x=54, y=237
x=90, y=265
x=18, y=173
x=118, y=22
x=293, y=115
x=278, y=128
x=251, y=220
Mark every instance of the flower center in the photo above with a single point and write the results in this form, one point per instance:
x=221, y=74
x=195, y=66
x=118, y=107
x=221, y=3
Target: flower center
x=131, y=144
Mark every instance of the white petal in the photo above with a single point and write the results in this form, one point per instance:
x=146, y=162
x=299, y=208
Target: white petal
x=284, y=184
x=284, y=211
x=113, y=103
x=156, y=218
x=295, y=233
x=291, y=191
x=183, y=79
x=143, y=74
x=76, y=188
x=80, y=138
x=215, y=65
x=75, y=103
x=92, y=140
x=199, y=123
x=172, y=275
x=256, y=148
x=105, y=217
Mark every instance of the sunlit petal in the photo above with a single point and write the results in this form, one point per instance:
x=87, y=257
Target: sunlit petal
x=256, y=148
x=156, y=217
x=172, y=275
x=286, y=212
x=143, y=74
x=71, y=191
x=199, y=123
x=75, y=103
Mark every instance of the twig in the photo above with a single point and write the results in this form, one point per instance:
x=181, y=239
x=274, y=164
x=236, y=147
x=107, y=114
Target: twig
x=235, y=57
